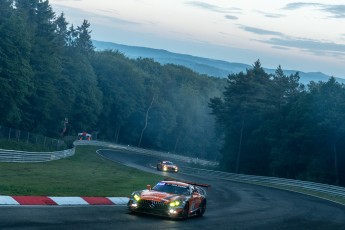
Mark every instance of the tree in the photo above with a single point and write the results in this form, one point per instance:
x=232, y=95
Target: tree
x=15, y=70
x=328, y=109
x=45, y=62
x=83, y=41
x=241, y=111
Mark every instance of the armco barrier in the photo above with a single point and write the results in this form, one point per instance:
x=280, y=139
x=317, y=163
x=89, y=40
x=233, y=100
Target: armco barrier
x=317, y=189
x=21, y=156
x=280, y=182
x=148, y=152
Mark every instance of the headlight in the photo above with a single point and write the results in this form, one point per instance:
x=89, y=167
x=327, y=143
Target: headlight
x=175, y=203
x=136, y=197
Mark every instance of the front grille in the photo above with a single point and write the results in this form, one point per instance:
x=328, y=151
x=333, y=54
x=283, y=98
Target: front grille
x=149, y=204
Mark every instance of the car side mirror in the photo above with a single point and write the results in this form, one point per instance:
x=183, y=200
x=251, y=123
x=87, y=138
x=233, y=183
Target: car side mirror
x=148, y=187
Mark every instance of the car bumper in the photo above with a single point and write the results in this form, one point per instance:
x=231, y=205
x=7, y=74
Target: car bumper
x=165, y=210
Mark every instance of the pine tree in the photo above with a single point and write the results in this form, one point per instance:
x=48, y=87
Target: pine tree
x=15, y=71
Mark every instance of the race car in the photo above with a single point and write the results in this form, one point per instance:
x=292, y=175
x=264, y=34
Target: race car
x=171, y=198
x=167, y=166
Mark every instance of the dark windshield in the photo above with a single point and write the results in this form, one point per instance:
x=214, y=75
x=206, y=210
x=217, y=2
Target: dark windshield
x=171, y=188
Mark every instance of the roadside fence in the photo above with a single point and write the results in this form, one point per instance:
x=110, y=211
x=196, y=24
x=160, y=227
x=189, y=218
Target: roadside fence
x=31, y=157
x=10, y=134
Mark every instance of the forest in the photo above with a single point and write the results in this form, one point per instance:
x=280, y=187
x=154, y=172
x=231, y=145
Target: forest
x=251, y=122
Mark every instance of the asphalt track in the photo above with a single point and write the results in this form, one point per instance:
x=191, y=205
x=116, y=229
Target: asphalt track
x=231, y=205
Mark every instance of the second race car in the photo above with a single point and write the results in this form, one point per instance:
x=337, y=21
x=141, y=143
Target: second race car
x=167, y=166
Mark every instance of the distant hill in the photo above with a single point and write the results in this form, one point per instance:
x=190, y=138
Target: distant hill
x=211, y=67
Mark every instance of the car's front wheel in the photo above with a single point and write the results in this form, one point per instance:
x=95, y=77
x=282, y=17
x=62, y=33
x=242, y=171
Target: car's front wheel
x=185, y=212
x=202, y=208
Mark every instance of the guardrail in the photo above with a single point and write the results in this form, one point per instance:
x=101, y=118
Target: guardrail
x=148, y=152
x=21, y=156
x=273, y=181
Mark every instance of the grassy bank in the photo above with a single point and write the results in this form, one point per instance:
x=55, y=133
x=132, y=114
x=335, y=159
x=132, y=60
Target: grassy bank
x=84, y=174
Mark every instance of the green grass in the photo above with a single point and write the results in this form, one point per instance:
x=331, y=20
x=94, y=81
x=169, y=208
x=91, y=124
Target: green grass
x=84, y=174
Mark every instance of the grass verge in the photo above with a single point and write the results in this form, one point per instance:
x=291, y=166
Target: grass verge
x=84, y=174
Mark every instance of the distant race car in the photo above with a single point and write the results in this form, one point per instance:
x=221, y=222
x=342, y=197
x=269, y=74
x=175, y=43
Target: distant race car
x=171, y=198
x=167, y=166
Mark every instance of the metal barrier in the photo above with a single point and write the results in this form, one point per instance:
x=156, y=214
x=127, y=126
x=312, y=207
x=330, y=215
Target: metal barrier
x=21, y=156
x=149, y=152
x=273, y=181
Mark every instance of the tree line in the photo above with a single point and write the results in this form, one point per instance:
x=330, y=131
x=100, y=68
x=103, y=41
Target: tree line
x=271, y=125
x=252, y=122
x=49, y=71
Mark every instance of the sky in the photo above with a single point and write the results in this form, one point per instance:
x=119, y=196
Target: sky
x=307, y=36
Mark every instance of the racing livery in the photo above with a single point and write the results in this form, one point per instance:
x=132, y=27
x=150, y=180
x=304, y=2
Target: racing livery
x=171, y=198
x=167, y=166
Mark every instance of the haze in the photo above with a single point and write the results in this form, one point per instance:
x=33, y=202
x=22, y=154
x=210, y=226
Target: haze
x=305, y=36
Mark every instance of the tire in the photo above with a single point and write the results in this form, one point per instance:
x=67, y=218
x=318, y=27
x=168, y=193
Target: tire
x=158, y=168
x=202, y=208
x=185, y=213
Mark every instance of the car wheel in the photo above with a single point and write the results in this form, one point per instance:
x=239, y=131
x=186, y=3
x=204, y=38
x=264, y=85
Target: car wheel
x=157, y=168
x=185, y=212
x=202, y=208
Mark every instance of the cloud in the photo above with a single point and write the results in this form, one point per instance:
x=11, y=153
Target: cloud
x=282, y=41
x=92, y=17
x=336, y=11
x=298, y=5
x=280, y=47
x=312, y=46
x=271, y=15
x=214, y=8
x=230, y=17
x=261, y=31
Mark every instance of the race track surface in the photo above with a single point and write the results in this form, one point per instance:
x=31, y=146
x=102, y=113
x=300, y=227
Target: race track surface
x=231, y=205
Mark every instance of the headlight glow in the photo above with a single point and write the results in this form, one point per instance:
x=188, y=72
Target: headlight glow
x=136, y=197
x=175, y=203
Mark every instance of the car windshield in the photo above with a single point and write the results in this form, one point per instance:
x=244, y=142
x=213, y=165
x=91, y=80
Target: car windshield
x=171, y=188
x=167, y=163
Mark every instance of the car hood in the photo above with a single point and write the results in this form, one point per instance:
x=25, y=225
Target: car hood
x=158, y=196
